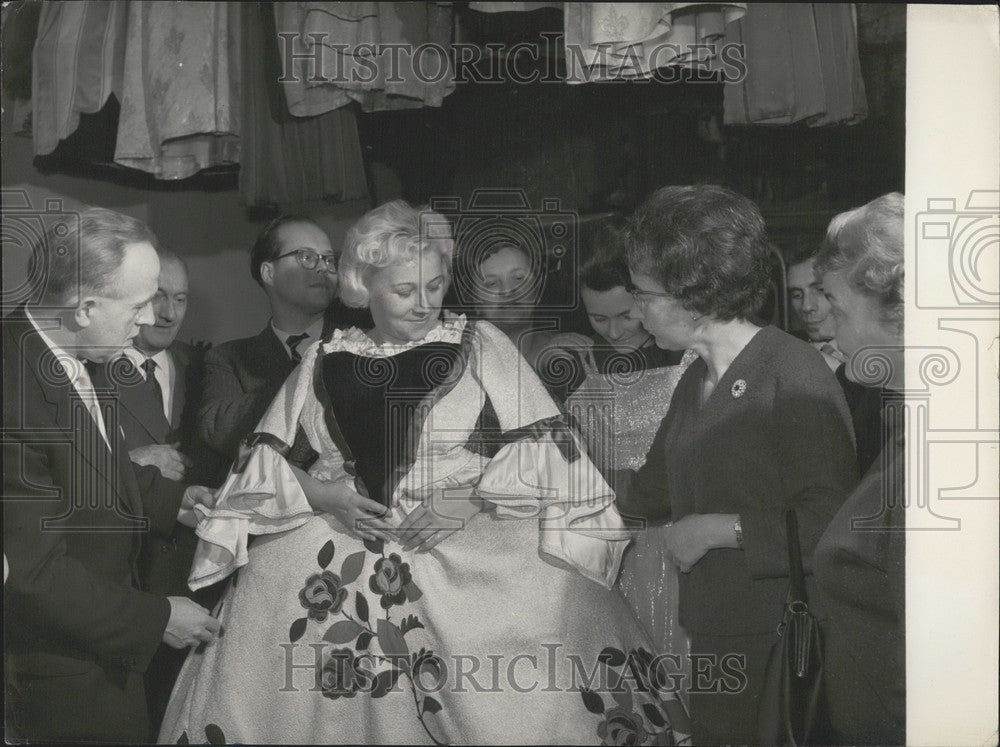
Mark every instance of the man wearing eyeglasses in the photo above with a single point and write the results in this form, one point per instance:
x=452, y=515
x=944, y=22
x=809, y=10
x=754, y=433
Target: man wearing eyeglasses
x=293, y=261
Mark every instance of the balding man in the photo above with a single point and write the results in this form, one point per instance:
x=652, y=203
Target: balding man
x=79, y=631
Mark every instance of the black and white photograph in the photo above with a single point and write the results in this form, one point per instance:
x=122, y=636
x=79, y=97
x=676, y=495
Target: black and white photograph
x=500, y=373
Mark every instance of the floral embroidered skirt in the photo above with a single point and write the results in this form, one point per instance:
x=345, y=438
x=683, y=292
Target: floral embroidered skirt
x=329, y=640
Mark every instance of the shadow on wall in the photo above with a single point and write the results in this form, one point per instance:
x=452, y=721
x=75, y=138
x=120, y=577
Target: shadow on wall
x=210, y=230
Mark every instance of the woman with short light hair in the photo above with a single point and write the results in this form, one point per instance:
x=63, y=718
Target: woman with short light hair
x=391, y=234
x=859, y=563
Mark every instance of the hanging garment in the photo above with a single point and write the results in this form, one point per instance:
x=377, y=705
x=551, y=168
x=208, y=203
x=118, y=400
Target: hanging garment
x=180, y=107
x=77, y=64
x=286, y=159
x=382, y=55
x=801, y=65
x=606, y=41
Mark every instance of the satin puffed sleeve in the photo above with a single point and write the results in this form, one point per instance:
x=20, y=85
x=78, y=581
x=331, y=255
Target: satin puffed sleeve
x=542, y=472
x=261, y=495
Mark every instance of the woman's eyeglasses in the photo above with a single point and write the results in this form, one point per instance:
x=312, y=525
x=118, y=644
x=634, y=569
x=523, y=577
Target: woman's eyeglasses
x=309, y=260
x=642, y=297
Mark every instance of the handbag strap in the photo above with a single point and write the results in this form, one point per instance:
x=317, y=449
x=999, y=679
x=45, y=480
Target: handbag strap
x=796, y=575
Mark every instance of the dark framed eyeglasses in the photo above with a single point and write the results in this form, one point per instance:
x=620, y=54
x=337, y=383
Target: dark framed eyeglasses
x=309, y=260
x=642, y=297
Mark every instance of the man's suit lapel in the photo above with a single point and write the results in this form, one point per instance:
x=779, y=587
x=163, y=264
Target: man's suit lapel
x=72, y=416
x=273, y=355
x=126, y=484
x=274, y=349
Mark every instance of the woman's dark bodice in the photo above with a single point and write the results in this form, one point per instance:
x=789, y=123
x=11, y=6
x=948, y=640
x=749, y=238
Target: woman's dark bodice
x=379, y=405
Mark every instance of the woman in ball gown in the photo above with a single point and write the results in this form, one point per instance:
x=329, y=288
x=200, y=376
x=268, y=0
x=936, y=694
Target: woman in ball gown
x=757, y=425
x=467, y=598
x=619, y=396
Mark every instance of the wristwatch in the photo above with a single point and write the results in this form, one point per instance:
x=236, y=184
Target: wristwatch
x=738, y=528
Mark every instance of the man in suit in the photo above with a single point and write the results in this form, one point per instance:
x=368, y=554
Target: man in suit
x=293, y=261
x=805, y=293
x=159, y=379
x=155, y=378
x=79, y=631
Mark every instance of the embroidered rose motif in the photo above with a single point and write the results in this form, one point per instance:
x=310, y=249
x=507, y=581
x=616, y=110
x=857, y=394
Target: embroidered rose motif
x=322, y=595
x=390, y=579
x=621, y=727
x=338, y=678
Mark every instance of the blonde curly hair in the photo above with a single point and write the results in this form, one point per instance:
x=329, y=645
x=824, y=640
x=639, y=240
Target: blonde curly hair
x=391, y=234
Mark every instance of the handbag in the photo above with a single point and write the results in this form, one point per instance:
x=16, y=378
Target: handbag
x=791, y=711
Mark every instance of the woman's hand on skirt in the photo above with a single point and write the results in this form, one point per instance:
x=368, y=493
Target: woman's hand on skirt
x=438, y=517
x=362, y=516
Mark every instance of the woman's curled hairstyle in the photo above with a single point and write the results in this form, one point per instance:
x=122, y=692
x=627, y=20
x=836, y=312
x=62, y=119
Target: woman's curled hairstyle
x=706, y=245
x=867, y=245
x=393, y=233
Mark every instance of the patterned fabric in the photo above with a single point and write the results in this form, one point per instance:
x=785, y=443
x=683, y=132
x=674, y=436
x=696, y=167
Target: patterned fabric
x=333, y=640
x=330, y=68
x=613, y=40
x=618, y=413
x=180, y=101
x=802, y=64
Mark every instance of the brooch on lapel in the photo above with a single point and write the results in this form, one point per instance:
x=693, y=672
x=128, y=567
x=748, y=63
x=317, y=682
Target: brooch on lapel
x=739, y=388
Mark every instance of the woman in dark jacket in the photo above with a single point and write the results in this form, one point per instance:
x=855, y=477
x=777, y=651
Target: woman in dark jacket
x=859, y=561
x=757, y=424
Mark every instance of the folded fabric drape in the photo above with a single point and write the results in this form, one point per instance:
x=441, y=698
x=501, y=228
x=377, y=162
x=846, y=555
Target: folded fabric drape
x=286, y=159
x=180, y=105
x=77, y=63
x=329, y=55
x=802, y=65
x=631, y=40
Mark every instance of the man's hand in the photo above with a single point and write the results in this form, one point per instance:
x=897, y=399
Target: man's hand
x=195, y=495
x=439, y=517
x=189, y=624
x=172, y=464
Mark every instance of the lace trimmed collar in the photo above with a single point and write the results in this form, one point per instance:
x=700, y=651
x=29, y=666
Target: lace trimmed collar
x=357, y=341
